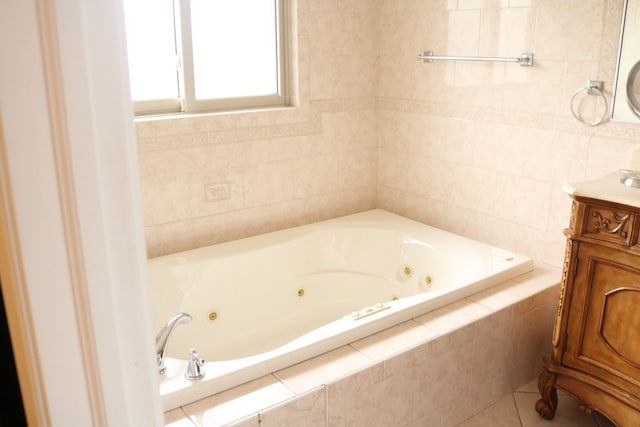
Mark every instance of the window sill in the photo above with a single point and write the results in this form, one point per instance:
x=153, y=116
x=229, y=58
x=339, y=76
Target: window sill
x=205, y=114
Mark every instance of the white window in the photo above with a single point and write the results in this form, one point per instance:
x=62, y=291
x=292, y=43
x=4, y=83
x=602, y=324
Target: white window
x=205, y=55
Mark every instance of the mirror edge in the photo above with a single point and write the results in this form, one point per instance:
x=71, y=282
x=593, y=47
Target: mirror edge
x=632, y=101
x=616, y=77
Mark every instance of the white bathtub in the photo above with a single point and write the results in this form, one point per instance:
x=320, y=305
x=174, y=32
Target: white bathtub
x=283, y=297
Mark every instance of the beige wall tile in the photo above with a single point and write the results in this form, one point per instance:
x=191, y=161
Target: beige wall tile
x=507, y=32
x=308, y=409
x=606, y=155
x=500, y=135
x=463, y=33
x=569, y=31
x=367, y=398
x=268, y=183
x=235, y=404
x=500, y=148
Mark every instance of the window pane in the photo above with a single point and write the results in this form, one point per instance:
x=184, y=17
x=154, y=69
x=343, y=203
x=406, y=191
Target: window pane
x=151, y=48
x=235, y=48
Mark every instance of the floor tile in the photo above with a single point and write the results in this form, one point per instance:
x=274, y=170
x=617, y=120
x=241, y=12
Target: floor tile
x=501, y=414
x=530, y=387
x=567, y=415
x=518, y=410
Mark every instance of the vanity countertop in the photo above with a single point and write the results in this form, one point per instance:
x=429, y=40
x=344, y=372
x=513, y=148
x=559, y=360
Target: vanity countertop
x=608, y=188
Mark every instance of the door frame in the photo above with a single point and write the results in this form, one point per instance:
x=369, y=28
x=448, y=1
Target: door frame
x=72, y=253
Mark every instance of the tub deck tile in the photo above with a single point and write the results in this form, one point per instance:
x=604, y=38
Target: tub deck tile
x=394, y=340
x=239, y=402
x=453, y=316
x=323, y=369
x=542, y=276
x=251, y=421
x=177, y=418
x=519, y=288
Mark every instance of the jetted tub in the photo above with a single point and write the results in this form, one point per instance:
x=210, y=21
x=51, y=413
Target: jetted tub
x=263, y=303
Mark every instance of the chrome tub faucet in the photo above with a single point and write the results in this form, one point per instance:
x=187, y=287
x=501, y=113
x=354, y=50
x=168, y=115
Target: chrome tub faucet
x=162, y=339
x=195, y=366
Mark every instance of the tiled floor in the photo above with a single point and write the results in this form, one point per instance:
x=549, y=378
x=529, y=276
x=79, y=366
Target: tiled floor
x=517, y=410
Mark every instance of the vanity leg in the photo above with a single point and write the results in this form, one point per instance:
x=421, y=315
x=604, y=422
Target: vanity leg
x=547, y=406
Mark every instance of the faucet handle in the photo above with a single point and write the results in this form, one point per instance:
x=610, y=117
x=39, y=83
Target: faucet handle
x=195, y=366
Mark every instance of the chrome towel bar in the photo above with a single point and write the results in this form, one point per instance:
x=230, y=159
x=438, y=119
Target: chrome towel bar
x=525, y=59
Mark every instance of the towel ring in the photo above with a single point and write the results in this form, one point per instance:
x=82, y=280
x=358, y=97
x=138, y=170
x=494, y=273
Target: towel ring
x=593, y=87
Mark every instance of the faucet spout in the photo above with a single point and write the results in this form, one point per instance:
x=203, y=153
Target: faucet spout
x=162, y=339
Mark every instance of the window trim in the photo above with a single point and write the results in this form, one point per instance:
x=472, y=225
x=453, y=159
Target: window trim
x=188, y=104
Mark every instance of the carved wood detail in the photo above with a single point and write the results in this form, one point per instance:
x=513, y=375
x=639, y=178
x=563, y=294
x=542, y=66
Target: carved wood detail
x=547, y=405
x=587, y=409
x=572, y=216
x=614, y=225
x=563, y=290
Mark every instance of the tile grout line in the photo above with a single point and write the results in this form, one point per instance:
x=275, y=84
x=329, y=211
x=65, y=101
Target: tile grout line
x=515, y=403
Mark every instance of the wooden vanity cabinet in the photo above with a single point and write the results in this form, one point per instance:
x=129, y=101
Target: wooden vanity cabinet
x=596, y=338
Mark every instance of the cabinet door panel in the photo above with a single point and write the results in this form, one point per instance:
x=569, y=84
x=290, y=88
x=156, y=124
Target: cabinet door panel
x=603, y=333
x=620, y=314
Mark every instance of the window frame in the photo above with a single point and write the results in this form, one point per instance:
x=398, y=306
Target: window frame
x=188, y=103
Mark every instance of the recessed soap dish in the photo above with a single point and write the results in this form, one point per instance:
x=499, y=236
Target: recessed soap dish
x=630, y=178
